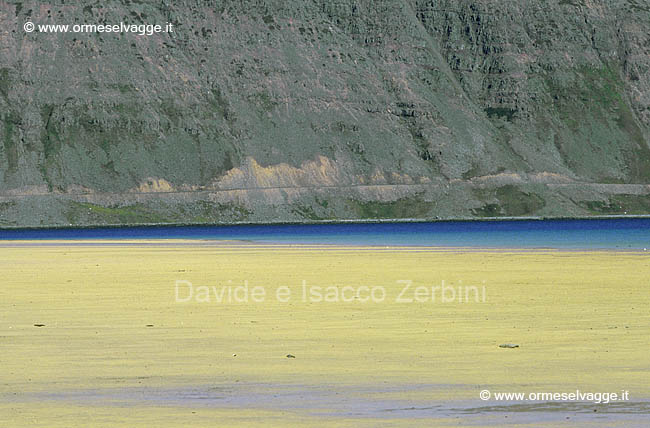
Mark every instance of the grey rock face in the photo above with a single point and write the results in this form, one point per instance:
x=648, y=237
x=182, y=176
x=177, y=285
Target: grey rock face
x=320, y=110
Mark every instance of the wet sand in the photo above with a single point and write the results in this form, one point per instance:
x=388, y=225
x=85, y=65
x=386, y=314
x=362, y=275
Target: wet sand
x=114, y=347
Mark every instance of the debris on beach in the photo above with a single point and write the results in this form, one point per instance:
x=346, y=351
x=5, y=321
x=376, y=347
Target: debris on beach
x=39, y=325
x=291, y=356
x=509, y=345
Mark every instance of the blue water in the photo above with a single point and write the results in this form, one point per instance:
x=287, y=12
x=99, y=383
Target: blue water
x=567, y=234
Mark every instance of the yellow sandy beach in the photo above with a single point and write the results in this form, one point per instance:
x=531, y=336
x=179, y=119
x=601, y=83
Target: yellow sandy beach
x=108, y=334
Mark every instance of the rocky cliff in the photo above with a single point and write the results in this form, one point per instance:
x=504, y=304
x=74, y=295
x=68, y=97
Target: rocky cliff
x=269, y=110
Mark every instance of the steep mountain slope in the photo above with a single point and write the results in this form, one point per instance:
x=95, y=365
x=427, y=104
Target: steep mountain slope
x=267, y=110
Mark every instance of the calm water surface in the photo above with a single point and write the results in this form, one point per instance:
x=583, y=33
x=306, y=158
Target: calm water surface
x=566, y=234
